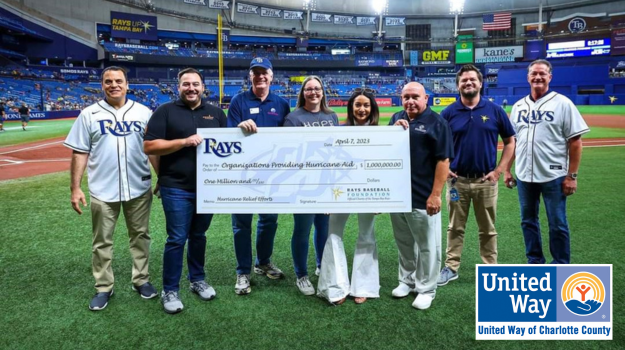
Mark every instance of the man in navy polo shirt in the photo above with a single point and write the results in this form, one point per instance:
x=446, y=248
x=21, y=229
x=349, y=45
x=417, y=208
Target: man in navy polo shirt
x=249, y=110
x=418, y=233
x=172, y=136
x=476, y=124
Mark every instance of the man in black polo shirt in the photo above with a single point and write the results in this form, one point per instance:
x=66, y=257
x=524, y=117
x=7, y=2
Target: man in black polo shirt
x=418, y=233
x=172, y=135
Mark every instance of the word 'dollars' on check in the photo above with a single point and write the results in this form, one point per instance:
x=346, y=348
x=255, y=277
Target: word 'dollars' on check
x=306, y=170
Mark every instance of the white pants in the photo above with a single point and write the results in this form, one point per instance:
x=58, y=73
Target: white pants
x=333, y=280
x=418, y=238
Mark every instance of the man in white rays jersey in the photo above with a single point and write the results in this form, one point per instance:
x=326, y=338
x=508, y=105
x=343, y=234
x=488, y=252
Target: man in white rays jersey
x=548, y=153
x=107, y=140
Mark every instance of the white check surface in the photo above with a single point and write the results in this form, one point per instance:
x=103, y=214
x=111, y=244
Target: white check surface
x=304, y=170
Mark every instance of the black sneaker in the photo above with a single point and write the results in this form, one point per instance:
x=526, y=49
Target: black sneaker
x=100, y=301
x=270, y=270
x=146, y=290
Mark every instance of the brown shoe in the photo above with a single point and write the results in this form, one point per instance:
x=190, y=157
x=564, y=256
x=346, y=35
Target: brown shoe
x=360, y=300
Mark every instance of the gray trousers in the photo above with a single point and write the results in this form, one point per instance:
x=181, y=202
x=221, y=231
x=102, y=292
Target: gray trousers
x=418, y=238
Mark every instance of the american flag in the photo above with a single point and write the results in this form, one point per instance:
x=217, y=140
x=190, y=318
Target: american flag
x=497, y=21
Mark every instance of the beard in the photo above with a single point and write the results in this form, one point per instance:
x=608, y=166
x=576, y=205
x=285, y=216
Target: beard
x=469, y=95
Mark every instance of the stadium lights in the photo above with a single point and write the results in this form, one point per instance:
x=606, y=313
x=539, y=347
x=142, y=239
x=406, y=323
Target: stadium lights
x=380, y=7
x=456, y=7
x=309, y=5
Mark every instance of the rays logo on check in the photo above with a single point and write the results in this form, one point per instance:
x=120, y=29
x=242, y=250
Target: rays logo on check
x=221, y=149
x=544, y=302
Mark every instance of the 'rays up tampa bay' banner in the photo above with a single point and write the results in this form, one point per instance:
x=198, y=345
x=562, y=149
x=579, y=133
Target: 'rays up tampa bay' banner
x=131, y=26
x=544, y=302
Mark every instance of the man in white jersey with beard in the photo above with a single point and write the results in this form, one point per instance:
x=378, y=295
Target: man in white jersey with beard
x=548, y=154
x=107, y=139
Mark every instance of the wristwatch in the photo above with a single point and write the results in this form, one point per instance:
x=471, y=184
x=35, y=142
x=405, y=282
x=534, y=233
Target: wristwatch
x=572, y=176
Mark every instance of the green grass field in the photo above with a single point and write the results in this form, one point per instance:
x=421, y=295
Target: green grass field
x=41, y=130
x=46, y=282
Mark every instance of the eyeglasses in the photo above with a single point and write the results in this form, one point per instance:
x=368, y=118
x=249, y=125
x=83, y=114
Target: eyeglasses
x=311, y=90
x=361, y=90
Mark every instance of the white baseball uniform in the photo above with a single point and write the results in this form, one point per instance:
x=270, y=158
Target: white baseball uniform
x=543, y=128
x=117, y=169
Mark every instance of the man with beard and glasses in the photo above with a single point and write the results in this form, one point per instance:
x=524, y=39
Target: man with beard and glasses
x=257, y=107
x=476, y=125
x=172, y=135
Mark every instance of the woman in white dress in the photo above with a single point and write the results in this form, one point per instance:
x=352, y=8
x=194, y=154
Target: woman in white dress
x=334, y=284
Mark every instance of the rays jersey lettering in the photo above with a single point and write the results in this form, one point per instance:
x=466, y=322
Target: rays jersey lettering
x=117, y=168
x=543, y=128
x=120, y=129
x=534, y=117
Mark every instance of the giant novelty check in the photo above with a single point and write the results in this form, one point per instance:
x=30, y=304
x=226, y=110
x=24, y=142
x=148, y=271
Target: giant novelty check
x=304, y=170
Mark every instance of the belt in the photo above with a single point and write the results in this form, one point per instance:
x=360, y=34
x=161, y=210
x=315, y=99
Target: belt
x=472, y=175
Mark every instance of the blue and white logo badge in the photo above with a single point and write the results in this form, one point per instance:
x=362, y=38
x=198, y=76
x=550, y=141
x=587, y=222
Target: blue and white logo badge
x=544, y=302
x=577, y=25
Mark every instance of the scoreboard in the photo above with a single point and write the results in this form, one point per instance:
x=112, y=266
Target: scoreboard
x=578, y=48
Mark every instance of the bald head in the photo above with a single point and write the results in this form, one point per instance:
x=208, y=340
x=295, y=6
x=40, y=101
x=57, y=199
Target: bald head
x=414, y=99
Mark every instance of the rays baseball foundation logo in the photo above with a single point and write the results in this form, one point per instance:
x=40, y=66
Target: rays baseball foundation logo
x=543, y=302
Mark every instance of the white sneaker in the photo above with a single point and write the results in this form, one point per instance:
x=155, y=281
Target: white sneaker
x=171, y=302
x=204, y=290
x=305, y=286
x=401, y=291
x=317, y=271
x=243, y=285
x=422, y=302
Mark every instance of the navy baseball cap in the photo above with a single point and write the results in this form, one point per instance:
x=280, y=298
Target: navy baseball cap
x=261, y=62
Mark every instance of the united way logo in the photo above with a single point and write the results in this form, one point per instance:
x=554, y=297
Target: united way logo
x=543, y=302
x=577, y=25
x=583, y=293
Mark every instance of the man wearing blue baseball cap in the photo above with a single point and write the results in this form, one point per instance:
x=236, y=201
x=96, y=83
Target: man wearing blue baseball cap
x=257, y=107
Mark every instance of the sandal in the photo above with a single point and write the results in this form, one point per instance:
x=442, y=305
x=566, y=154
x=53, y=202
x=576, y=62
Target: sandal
x=360, y=300
x=339, y=302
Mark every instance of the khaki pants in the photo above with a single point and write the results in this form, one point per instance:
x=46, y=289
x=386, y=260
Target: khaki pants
x=484, y=198
x=104, y=218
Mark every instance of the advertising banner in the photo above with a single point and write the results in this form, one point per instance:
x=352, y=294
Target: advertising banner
x=443, y=101
x=269, y=12
x=365, y=21
x=464, y=49
x=245, y=8
x=219, y=4
x=195, y=2
x=321, y=17
x=378, y=62
x=45, y=115
x=618, y=40
x=395, y=21
x=343, y=19
x=534, y=49
x=498, y=54
x=436, y=57
x=293, y=15
x=131, y=26
x=122, y=57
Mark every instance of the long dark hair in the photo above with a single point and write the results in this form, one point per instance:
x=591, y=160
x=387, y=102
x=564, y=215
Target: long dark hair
x=374, y=116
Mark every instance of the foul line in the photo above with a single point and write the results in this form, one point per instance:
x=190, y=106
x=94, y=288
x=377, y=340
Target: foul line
x=14, y=162
x=32, y=147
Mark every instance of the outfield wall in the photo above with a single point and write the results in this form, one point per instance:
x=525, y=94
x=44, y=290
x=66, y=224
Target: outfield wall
x=45, y=115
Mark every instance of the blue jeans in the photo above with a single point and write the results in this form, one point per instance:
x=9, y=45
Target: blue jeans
x=265, y=234
x=555, y=205
x=300, y=239
x=183, y=224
